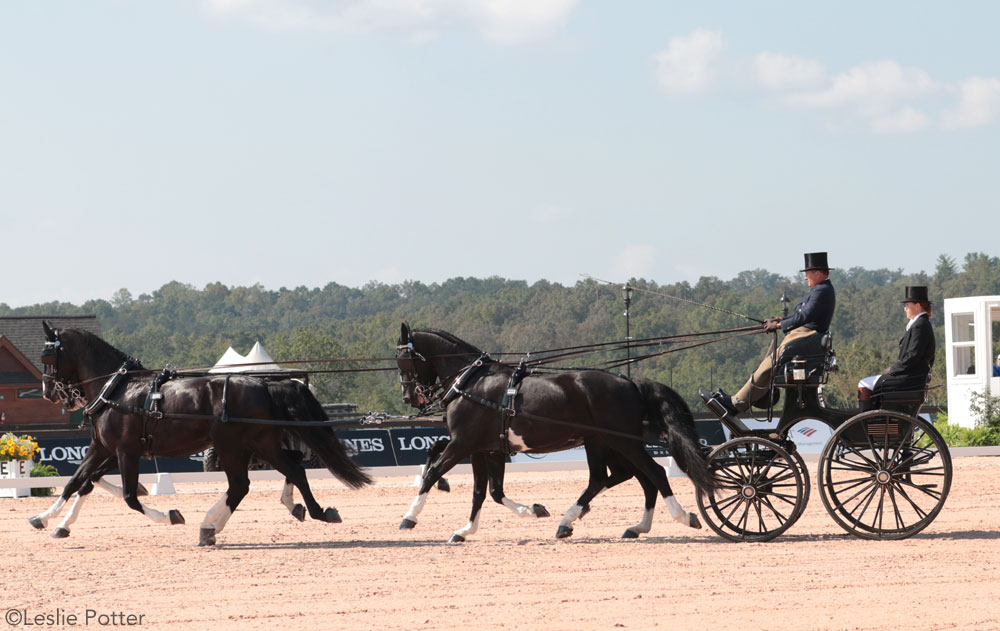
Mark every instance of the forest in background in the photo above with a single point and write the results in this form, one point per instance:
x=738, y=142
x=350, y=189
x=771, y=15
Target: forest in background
x=186, y=327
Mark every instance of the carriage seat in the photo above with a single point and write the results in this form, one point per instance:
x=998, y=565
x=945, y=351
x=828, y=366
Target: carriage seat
x=806, y=362
x=908, y=403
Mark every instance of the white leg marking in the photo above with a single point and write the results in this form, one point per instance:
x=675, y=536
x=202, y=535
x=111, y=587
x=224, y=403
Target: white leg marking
x=416, y=507
x=215, y=513
x=51, y=512
x=154, y=515
x=679, y=514
x=110, y=488
x=519, y=509
x=571, y=515
x=646, y=524
x=74, y=512
x=287, y=497
x=470, y=528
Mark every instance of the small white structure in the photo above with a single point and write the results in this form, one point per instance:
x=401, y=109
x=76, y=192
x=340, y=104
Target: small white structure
x=971, y=327
x=257, y=360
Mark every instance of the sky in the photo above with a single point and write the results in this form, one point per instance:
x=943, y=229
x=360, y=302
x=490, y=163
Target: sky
x=298, y=143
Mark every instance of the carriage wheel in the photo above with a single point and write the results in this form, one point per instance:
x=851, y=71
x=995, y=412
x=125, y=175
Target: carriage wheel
x=759, y=492
x=884, y=475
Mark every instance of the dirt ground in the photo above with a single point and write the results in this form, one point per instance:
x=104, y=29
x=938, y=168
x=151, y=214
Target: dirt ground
x=271, y=572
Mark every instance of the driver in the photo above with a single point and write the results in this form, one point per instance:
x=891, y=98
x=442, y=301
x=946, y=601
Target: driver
x=812, y=316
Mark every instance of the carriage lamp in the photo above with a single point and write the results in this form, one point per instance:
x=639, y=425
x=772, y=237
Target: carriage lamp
x=627, y=295
x=784, y=305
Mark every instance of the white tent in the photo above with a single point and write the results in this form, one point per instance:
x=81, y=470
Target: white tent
x=257, y=360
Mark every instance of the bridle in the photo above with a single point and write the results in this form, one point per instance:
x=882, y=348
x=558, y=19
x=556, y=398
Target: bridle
x=67, y=393
x=409, y=377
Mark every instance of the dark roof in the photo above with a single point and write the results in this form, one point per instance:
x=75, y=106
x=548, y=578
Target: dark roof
x=26, y=334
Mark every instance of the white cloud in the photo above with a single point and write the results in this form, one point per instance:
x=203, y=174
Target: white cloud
x=871, y=89
x=778, y=71
x=905, y=121
x=418, y=21
x=635, y=261
x=979, y=104
x=686, y=65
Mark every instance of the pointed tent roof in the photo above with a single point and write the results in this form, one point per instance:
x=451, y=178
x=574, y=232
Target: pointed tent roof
x=257, y=360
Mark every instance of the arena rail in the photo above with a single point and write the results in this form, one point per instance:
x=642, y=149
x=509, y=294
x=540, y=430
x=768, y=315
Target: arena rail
x=398, y=471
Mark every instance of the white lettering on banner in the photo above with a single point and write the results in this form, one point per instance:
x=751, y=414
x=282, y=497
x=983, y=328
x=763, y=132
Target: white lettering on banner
x=69, y=454
x=365, y=444
x=418, y=443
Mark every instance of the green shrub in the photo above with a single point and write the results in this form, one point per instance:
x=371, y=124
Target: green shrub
x=39, y=470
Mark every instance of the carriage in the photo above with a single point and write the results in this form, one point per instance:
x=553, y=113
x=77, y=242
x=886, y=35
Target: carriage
x=885, y=473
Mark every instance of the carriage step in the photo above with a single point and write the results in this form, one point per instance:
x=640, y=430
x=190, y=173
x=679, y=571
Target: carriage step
x=712, y=402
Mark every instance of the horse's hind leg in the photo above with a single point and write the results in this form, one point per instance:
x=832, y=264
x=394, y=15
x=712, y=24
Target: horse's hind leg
x=645, y=466
x=298, y=511
x=619, y=473
x=294, y=473
x=88, y=486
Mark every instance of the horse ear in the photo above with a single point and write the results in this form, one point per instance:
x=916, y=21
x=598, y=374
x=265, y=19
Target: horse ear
x=404, y=333
x=49, y=333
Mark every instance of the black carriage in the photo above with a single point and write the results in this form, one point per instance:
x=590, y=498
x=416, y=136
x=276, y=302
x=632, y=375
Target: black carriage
x=885, y=473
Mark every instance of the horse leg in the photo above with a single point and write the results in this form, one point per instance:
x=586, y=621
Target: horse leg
x=596, y=483
x=234, y=461
x=95, y=456
x=451, y=455
x=479, y=481
x=128, y=466
x=496, y=466
x=287, y=465
x=85, y=489
x=620, y=473
x=298, y=511
x=644, y=465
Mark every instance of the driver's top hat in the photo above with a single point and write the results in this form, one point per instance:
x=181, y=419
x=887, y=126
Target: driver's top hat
x=916, y=293
x=816, y=260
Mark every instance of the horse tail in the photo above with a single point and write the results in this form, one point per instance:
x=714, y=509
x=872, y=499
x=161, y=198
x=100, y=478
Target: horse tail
x=668, y=413
x=301, y=405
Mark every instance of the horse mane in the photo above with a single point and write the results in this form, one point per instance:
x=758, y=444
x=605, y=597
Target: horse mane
x=95, y=344
x=464, y=346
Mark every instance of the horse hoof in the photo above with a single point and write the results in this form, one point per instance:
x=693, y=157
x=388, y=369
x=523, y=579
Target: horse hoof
x=693, y=521
x=175, y=517
x=408, y=524
x=206, y=537
x=539, y=511
x=141, y=490
x=36, y=523
x=443, y=485
x=60, y=533
x=457, y=539
x=563, y=532
x=299, y=512
x=630, y=534
x=331, y=516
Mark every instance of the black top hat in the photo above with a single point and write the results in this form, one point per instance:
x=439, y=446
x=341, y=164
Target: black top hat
x=916, y=293
x=816, y=260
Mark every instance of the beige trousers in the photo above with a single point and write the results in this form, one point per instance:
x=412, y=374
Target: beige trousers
x=760, y=382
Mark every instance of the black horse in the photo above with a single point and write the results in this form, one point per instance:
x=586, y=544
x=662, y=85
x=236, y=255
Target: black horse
x=608, y=414
x=82, y=369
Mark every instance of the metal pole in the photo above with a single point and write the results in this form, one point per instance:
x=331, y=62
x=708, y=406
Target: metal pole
x=628, y=332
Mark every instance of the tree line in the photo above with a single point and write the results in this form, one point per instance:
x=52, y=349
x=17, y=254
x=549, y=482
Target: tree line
x=184, y=326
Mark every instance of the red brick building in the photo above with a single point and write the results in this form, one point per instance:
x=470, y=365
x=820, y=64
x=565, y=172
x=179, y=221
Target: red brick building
x=22, y=339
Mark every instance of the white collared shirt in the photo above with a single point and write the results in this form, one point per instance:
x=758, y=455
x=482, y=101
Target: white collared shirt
x=914, y=319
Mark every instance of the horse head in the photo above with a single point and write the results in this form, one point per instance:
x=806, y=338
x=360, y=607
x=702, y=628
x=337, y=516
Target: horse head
x=428, y=358
x=417, y=376
x=72, y=358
